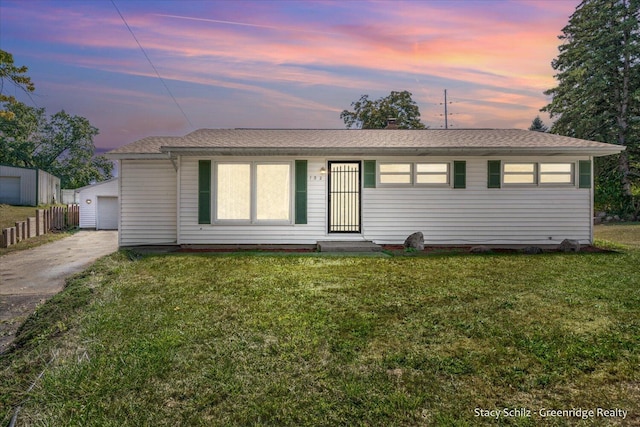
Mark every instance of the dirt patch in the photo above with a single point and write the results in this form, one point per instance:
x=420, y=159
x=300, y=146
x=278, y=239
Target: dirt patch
x=14, y=310
x=30, y=277
x=399, y=250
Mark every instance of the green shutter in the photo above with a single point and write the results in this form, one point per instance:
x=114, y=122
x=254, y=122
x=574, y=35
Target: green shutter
x=301, y=192
x=204, y=192
x=584, y=171
x=369, y=174
x=493, y=173
x=460, y=174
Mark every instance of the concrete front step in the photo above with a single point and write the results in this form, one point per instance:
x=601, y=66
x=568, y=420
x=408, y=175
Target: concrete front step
x=348, y=246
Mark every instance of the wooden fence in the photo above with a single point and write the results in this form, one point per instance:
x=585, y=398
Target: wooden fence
x=55, y=218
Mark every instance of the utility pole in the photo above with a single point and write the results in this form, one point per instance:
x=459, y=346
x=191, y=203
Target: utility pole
x=446, y=111
x=446, y=115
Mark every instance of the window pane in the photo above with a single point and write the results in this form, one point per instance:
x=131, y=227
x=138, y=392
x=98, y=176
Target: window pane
x=395, y=167
x=395, y=179
x=233, y=191
x=555, y=167
x=556, y=178
x=273, y=187
x=432, y=179
x=432, y=167
x=519, y=167
x=518, y=179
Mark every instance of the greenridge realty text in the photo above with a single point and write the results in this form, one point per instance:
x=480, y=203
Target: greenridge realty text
x=581, y=413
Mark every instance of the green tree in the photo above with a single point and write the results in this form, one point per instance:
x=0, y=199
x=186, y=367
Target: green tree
x=61, y=145
x=15, y=75
x=368, y=114
x=598, y=92
x=538, y=125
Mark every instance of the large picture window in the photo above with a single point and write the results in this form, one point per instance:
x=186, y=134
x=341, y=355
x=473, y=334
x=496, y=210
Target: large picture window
x=273, y=192
x=233, y=191
x=253, y=192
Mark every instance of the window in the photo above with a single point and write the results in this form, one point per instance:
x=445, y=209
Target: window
x=556, y=173
x=249, y=192
x=519, y=173
x=404, y=174
x=273, y=183
x=432, y=173
x=233, y=191
x=395, y=173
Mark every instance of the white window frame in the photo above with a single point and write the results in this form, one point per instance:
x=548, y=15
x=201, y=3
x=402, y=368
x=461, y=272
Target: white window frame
x=533, y=174
x=409, y=174
x=447, y=174
x=412, y=174
x=571, y=174
x=253, y=166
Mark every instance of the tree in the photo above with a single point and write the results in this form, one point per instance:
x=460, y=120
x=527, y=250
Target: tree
x=61, y=145
x=538, y=125
x=368, y=114
x=598, y=95
x=15, y=75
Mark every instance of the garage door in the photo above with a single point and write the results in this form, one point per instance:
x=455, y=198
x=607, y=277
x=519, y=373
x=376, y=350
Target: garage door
x=10, y=190
x=107, y=218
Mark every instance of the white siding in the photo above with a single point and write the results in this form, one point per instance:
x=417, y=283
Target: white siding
x=48, y=188
x=475, y=215
x=147, y=202
x=91, y=194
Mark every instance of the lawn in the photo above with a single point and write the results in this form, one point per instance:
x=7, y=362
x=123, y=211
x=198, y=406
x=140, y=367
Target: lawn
x=313, y=340
x=9, y=215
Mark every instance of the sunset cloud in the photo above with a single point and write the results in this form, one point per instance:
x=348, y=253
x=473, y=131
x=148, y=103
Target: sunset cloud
x=285, y=64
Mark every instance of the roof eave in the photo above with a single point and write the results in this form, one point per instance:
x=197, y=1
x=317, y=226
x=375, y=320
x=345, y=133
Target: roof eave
x=389, y=151
x=136, y=156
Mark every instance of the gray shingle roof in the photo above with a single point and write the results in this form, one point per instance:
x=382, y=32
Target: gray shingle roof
x=315, y=141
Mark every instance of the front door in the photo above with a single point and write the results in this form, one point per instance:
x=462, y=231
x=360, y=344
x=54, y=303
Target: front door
x=344, y=197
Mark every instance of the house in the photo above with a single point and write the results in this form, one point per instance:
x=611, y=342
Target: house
x=99, y=205
x=298, y=187
x=28, y=186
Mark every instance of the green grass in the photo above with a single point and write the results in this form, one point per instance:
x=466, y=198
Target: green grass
x=311, y=340
x=9, y=215
x=624, y=234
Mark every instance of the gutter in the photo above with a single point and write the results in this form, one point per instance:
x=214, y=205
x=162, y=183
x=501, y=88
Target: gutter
x=390, y=151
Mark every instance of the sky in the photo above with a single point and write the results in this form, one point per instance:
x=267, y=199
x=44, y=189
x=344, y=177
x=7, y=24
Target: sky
x=281, y=64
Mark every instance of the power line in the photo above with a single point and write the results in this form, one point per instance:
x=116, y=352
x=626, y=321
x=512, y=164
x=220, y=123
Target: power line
x=151, y=63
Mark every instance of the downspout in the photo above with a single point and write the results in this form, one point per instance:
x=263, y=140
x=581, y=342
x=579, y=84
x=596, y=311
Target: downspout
x=177, y=167
x=37, y=187
x=592, y=199
x=120, y=203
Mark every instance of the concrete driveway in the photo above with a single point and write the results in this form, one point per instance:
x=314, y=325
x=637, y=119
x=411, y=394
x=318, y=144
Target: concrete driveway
x=30, y=277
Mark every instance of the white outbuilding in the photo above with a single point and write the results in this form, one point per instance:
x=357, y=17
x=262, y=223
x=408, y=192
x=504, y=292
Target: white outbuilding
x=99, y=206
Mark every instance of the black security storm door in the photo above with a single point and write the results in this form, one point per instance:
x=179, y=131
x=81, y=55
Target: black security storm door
x=344, y=197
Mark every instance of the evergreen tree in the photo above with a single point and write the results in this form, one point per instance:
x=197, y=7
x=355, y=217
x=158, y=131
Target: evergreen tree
x=598, y=92
x=538, y=125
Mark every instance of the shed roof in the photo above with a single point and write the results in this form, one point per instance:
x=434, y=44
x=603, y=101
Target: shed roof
x=362, y=142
